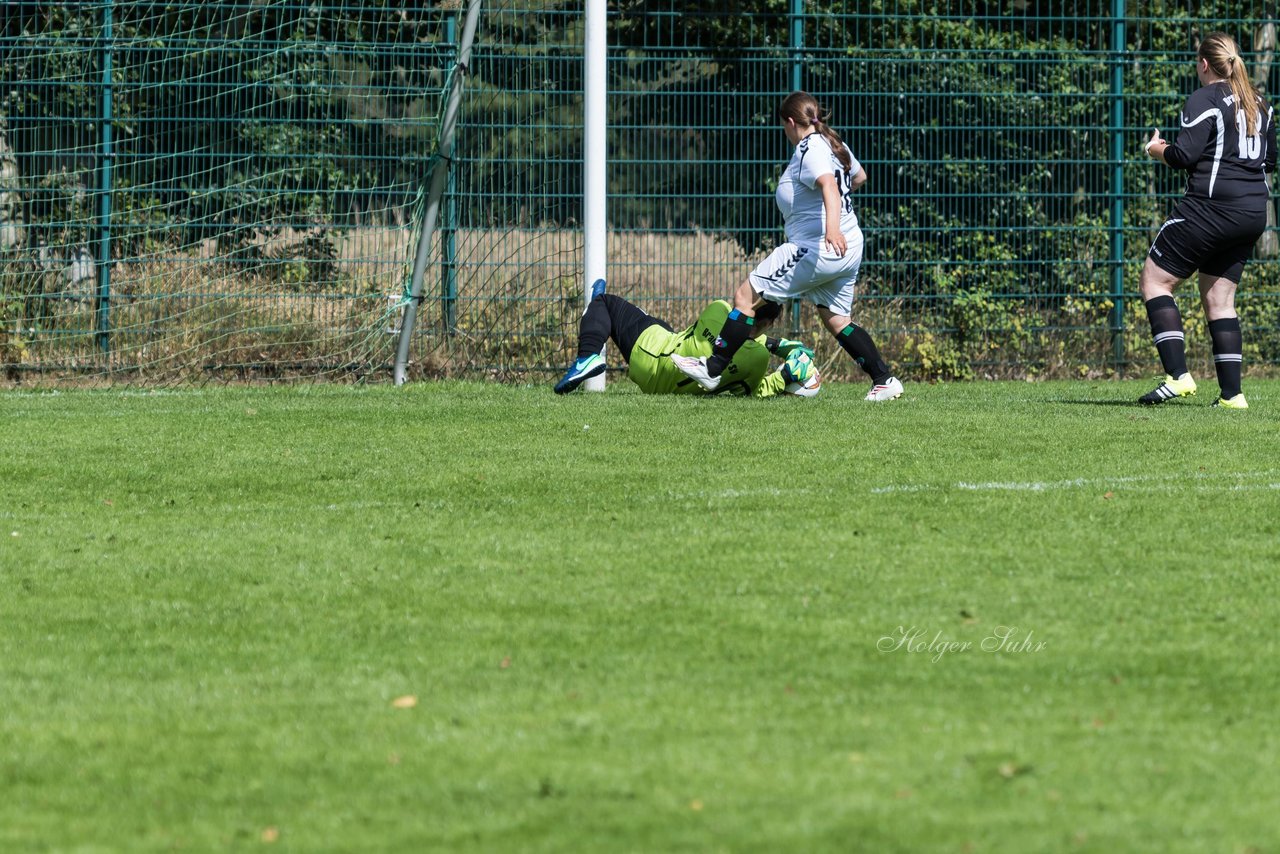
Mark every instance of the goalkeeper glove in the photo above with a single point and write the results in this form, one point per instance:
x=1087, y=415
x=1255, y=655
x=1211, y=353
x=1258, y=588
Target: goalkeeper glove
x=799, y=367
x=784, y=347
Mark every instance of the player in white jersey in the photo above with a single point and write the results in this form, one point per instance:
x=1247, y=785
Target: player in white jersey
x=820, y=259
x=1227, y=145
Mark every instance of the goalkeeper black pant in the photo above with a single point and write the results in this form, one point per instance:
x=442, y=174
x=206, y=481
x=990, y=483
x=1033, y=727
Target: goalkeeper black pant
x=610, y=316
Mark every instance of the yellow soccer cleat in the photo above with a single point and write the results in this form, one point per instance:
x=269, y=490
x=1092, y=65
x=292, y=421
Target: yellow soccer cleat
x=1183, y=386
x=1237, y=402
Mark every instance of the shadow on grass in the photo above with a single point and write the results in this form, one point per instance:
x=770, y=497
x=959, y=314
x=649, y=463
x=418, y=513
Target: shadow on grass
x=1087, y=401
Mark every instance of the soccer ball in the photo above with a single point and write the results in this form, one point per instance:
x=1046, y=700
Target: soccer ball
x=809, y=388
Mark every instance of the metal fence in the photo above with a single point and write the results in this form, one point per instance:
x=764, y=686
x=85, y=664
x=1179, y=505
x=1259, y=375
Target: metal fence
x=1008, y=208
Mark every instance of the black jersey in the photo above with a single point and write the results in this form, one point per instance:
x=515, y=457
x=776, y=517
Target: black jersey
x=1224, y=162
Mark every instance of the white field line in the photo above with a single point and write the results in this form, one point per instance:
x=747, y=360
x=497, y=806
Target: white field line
x=1218, y=481
x=719, y=494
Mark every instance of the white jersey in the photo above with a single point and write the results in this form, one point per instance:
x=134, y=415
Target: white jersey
x=800, y=198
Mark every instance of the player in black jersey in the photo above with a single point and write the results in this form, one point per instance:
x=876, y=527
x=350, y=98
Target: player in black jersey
x=1227, y=145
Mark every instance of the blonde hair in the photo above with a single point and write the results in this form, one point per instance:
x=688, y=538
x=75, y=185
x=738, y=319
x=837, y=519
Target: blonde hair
x=1223, y=56
x=805, y=111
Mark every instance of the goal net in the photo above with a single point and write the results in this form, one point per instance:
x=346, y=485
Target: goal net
x=213, y=190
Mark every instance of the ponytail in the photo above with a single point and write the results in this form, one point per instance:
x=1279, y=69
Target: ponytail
x=806, y=112
x=1220, y=51
x=1245, y=95
x=837, y=144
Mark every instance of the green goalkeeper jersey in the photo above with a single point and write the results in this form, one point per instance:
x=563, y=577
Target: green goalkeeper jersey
x=651, y=367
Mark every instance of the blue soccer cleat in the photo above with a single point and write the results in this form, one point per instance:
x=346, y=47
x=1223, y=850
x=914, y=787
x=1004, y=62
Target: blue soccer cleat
x=597, y=288
x=582, y=369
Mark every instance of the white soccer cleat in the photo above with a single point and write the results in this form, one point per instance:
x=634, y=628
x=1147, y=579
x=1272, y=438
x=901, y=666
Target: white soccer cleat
x=696, y=370
x=890, y=389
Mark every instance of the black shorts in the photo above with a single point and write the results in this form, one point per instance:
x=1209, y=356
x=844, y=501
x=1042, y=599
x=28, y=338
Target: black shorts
x=1215, y=239
x=626, y=322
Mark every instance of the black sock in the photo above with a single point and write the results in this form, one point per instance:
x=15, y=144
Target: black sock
x=735, y=332
x=594, y=328
x=1227, y=358
x=858, y=344
x=1166, y=329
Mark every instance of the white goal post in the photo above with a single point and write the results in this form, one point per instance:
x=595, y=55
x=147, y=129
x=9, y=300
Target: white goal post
x=595, y=227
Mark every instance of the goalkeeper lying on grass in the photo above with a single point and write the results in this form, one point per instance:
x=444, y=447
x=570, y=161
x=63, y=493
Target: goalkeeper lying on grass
x=647, y=343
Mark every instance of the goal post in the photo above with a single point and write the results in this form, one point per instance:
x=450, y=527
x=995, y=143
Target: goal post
x=594, y=158
x=441, y=164
x=594, y=165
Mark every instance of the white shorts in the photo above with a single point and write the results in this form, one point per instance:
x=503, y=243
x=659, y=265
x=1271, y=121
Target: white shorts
x=820, y=277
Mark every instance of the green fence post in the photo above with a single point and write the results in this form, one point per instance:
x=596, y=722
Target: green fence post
x=105, y=156
x=448, y=222
x=796, y=44
x=1117, y=183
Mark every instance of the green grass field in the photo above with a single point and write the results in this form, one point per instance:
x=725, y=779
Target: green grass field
x=628, y=623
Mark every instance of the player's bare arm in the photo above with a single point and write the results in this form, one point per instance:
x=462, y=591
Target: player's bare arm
x=831, y=203
x=1156, y=146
